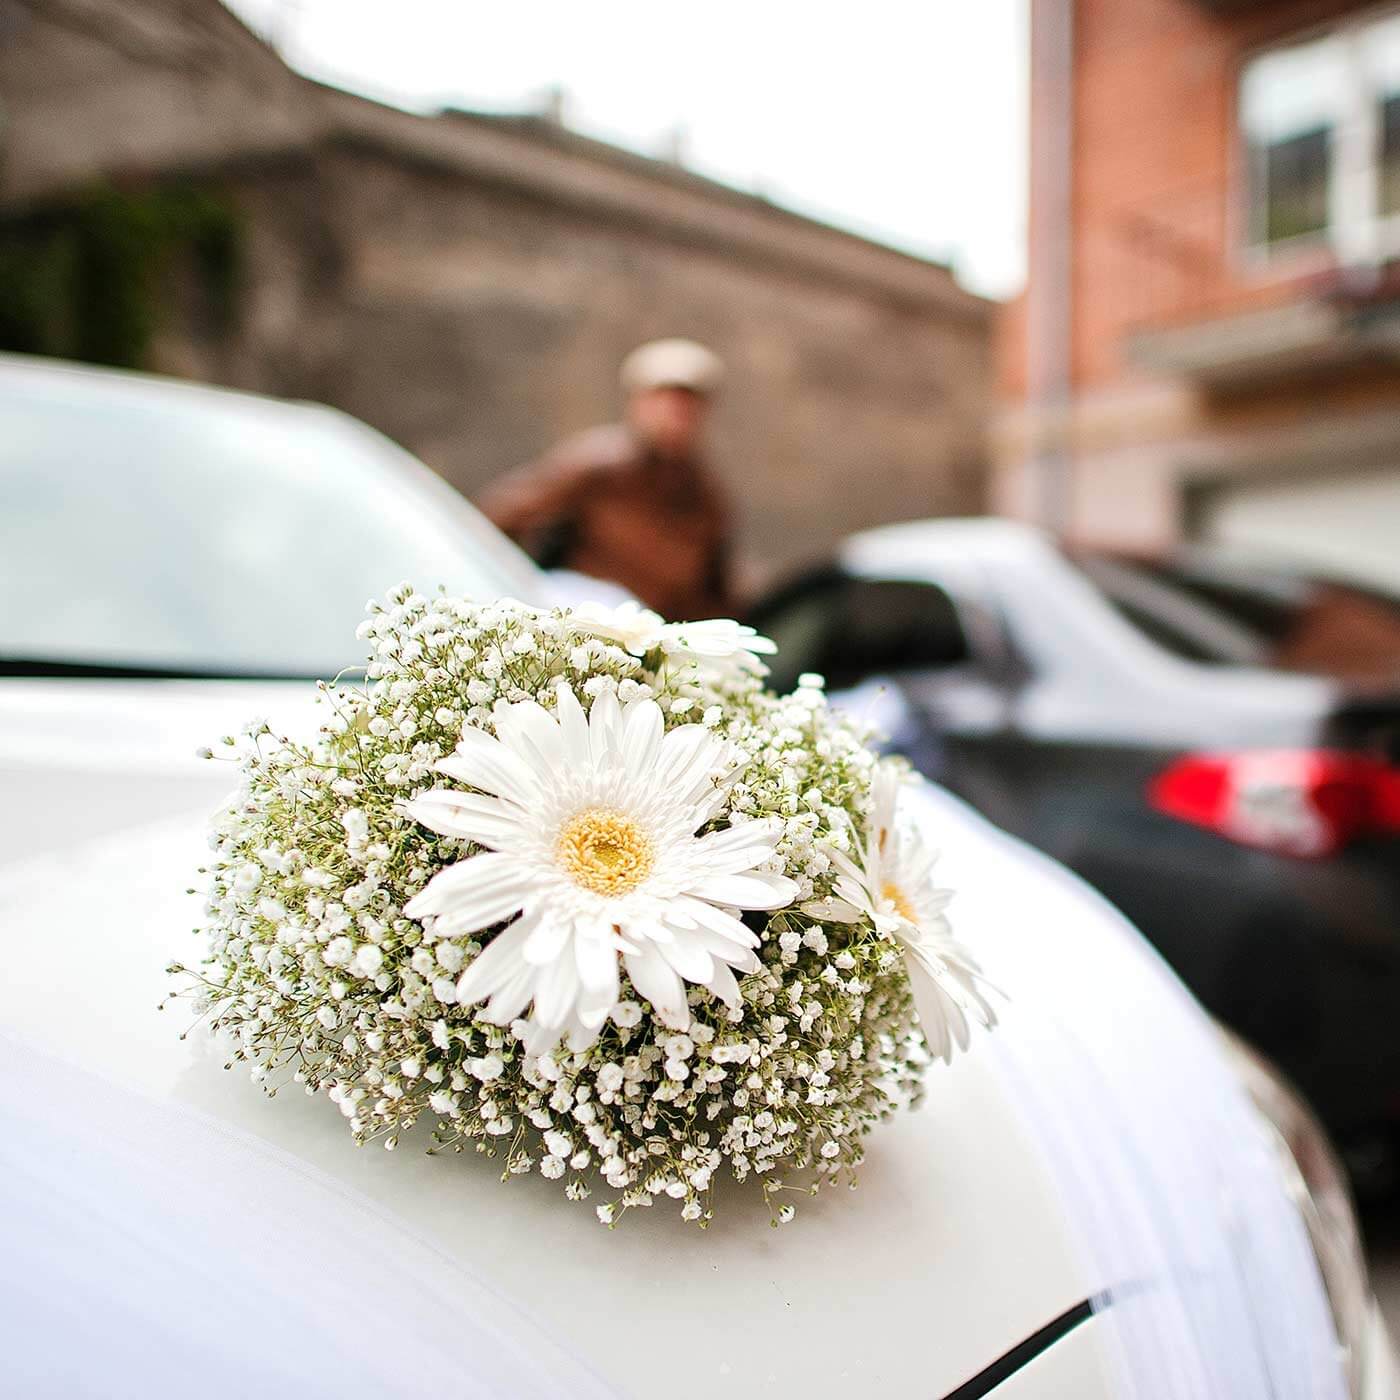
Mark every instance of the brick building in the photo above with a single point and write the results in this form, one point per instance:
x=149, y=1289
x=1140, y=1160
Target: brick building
x=1209, y=343
x=468, y=284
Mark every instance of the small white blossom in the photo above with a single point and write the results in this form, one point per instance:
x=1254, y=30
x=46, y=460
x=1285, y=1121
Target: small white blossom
x=718, y=641
x=368, y=959
x=627, y=1014
x=339, y=951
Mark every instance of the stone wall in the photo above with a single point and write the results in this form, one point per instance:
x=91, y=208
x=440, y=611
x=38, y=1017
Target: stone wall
x=469, y=286
x=476, y=325
x=497, y=325
x=97, y=88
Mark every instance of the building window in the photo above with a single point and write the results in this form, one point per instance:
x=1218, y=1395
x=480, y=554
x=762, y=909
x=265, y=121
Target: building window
x=1321, y=128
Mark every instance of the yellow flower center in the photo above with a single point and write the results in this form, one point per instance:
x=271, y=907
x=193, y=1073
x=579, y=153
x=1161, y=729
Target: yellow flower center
x=605, y=852
x=894, y=897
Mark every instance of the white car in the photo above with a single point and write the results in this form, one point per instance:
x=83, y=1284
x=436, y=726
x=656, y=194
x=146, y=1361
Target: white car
x=1102, y=1198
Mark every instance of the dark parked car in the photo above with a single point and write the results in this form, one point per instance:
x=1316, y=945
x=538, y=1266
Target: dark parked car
x=1137, y=726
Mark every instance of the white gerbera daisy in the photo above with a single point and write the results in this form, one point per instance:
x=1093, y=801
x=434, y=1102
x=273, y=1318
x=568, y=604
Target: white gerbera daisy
x=719, y=641
x=891, y=884
x=590, y=827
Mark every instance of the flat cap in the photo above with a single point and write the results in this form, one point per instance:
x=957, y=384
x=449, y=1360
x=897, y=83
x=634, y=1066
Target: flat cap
x=679, y=364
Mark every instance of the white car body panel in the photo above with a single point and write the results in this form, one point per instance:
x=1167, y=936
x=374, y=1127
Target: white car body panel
x=1074, y=1366
x=1094, y=1147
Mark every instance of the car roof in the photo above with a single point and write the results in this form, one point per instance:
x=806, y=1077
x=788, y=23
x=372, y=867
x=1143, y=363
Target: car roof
x=918, y=541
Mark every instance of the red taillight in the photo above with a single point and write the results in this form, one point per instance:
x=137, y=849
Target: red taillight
x=1307, y=802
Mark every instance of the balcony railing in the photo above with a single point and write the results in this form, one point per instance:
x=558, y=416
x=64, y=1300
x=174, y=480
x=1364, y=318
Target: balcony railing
x=1187, y=300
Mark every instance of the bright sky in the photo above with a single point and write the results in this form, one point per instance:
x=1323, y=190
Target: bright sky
x=902, y=119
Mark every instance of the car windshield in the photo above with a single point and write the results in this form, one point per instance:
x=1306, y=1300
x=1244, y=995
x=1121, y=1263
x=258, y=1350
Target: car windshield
x=146, y=526
x=1231, y=612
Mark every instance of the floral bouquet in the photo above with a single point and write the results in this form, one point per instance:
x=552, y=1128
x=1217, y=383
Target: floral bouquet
x=576, y=887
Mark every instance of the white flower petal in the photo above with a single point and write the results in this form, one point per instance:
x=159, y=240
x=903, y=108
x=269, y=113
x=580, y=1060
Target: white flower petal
x=837, y=910
x=687, y=759
x=470, y=816
x=596, y=959
x=956, y=974
x=496, y=966
x=847, y=867
x=723, y=984
x=604, y=722
x=735, y=860
x=573, y=727
x=940, y=1017
x=541, y=1037
x=751, y=891
x=472, y=894
x=548, y=940
x=583, y=1036
x=654, y=979
x=486, y=763
x=511, y=998
x=557, y=989
x=718, y=922
x=884, y=793
x=634, y=628
x=529, y=727
x=689, y=958
x=642, y=726
x=724, y=950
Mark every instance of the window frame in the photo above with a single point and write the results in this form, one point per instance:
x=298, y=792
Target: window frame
x=1356, y=234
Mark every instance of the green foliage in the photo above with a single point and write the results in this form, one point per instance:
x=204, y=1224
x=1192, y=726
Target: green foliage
x=86, y=277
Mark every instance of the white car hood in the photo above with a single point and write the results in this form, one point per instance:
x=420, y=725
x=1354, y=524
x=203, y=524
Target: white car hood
x=1094, y=1149
x=85, y=758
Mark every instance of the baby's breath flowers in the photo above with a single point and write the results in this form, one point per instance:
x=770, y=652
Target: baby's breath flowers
x=547, y=880
x=719, y=642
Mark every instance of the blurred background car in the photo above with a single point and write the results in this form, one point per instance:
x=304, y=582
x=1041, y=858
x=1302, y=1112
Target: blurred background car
x=173, y=556
x=1246, y=818
x=156, y=528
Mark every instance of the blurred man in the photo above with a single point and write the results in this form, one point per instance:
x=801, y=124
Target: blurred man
x=633, y=502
